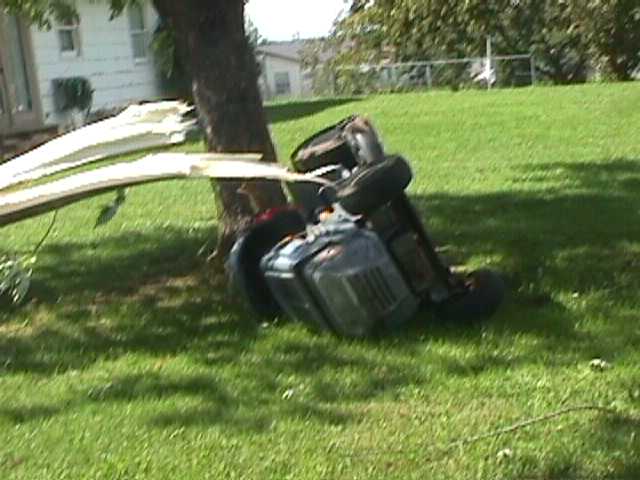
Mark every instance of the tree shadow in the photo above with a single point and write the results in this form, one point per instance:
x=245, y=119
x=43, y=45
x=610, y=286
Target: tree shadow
x=611, y=435
x=527, y=229
x=155, y=290
x=616, y=432
x=159, y=300
x=125, y=264
x=148, y=293
x=551, y=244
x=284, y=112
x=19, y=415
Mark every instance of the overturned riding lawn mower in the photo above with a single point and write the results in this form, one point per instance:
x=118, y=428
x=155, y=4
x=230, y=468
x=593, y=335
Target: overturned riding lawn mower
x=353, y=257
x=350, y=255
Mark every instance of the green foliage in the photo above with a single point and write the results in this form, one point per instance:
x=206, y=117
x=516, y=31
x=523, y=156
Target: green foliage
x=43, y=12
x=163, y=45
x=175, y=75
x=254, y=40
x=16, y=269
x=612, y=29
x=109, y=211
x=315, y=54
x=118, y=6
x=253, y=34
x=73, y=92
x=15, y=276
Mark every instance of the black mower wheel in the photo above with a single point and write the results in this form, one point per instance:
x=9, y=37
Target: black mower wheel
x=245, y=257
x=349, y=143
x=324, y=148
x=367, y=146
x=484, y=294
x=375, y=186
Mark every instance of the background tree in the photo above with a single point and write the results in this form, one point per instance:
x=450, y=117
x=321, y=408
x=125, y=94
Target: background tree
x=174, y=76
x=612, y=30
x=315, y=56
x=210, y=39
x=566, y=37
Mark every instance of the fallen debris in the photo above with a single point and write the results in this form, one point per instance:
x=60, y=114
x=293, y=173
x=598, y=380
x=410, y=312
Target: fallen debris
x=30, y=202
x=137, y=128
x=599, y=365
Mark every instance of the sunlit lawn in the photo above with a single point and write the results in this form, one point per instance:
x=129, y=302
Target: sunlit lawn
x=129, y=361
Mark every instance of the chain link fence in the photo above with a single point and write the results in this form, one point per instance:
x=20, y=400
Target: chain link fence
x=504, y=71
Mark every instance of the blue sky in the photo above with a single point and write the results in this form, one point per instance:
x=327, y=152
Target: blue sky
x=284, y=19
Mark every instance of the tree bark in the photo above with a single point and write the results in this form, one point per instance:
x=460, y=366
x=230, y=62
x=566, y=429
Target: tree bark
x=210, y=38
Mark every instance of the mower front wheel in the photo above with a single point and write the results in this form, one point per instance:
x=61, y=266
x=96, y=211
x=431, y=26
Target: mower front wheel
x=374, y=186
x=484, y=293
x=244, y=259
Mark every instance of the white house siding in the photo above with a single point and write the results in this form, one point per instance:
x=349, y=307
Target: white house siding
x=106, y=59
x=272, y=65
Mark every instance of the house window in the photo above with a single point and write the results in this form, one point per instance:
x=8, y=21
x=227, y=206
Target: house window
x=282, y=82
x=69, y=37
x=138, y=30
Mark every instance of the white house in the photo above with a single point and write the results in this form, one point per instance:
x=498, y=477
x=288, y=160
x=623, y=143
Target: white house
x=112, y=54
x=282, y=74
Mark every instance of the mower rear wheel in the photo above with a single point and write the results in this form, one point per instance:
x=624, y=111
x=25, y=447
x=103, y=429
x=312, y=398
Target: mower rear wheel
x=326, y=147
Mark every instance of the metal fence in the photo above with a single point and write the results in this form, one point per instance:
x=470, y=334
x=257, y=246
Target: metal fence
x=461, y=73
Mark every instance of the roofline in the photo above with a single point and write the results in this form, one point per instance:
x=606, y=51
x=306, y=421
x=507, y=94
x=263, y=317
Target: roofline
x=279, y=55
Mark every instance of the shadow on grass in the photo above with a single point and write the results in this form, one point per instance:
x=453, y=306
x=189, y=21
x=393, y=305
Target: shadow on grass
x=124, y=264
x=611, y=433
x=283, y=112
x=151, y=290
x=19, y=415
x=567, y=253
x=149, y=293
x=617, y=432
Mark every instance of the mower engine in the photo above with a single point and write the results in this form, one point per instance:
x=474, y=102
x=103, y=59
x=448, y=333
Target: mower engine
x=339, y=277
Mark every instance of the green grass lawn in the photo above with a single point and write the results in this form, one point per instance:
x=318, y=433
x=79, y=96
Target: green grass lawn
x=129, y=362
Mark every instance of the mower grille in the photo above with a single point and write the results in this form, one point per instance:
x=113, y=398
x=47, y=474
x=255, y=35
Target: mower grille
x=373, y=291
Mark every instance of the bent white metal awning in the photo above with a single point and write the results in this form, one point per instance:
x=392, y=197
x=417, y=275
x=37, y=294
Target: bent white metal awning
x=26, y=203
x=138, y=127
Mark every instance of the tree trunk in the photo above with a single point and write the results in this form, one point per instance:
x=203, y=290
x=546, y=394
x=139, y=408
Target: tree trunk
x=210, y=38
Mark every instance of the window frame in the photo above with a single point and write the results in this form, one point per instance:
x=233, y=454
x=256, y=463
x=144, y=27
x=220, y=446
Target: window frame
x=73, y=28
x=276, y=83
x=136, y=33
